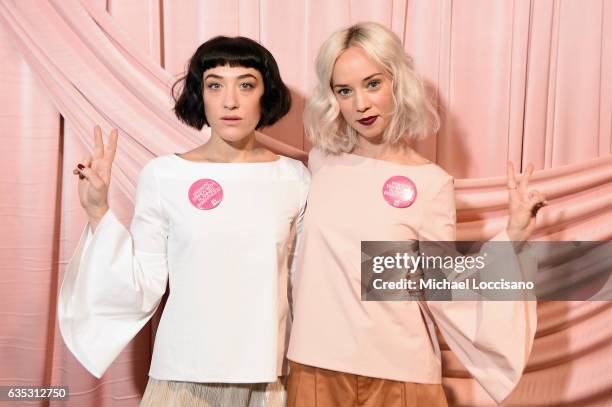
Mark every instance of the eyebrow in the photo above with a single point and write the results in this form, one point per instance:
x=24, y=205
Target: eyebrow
x=215, y=76
x=363, y=80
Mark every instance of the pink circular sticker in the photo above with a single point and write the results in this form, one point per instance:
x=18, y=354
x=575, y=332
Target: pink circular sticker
x=205, y=194
x=399, y=191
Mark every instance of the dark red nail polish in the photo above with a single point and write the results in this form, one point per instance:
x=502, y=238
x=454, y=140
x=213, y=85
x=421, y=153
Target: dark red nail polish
x=80, y=166
x=81, y=176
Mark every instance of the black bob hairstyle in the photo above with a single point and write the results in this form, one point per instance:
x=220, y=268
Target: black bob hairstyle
x=236, y=51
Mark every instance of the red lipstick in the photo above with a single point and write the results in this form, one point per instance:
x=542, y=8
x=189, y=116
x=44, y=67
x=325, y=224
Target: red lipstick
x=368, y=121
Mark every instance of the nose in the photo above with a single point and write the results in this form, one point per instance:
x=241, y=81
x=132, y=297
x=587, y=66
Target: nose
x=230, y=100
x=362, y=101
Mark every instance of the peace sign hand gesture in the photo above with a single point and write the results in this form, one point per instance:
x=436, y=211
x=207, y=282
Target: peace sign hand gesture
x=523, y=205
x=94, y=174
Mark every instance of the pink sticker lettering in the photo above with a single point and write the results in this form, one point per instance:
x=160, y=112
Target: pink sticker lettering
x=205, y=194
x=399, y=191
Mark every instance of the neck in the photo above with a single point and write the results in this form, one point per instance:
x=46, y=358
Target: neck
x=381, y=150
x=228, y=151
x=374, y=148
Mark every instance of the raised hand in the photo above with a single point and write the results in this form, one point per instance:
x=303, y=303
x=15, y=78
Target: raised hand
x=94, y=174
x=523, y=204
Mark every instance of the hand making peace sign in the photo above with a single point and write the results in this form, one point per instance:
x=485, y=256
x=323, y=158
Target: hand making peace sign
x=523, y=204
x=95, y=173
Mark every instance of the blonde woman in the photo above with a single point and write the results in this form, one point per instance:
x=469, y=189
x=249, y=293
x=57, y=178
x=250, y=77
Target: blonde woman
x=368, y=107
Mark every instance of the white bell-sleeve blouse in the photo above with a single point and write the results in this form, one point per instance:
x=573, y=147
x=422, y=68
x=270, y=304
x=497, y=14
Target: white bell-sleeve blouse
x=227, y=315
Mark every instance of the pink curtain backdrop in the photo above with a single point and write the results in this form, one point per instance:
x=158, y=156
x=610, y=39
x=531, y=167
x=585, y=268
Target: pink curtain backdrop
x=525, y=80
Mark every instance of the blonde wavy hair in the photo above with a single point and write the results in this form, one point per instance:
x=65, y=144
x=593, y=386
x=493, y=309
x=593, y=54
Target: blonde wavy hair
x=413, y=117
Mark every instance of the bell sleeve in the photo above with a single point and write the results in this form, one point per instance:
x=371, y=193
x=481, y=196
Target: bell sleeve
x=115, y=280
x=492, y=339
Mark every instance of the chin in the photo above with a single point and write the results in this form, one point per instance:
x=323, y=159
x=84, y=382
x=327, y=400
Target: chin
x=373, y=136
x=233, y=136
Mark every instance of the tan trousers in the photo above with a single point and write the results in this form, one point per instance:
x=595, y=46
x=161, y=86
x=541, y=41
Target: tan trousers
x=163, y=393
x=310, y=386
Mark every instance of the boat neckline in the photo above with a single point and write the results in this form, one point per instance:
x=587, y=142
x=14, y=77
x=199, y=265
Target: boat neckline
x=177, y=157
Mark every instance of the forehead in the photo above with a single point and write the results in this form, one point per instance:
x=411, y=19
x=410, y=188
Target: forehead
x=226, y=71
x=353, y=65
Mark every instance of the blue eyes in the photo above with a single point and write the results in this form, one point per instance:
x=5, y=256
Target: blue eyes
x=371, y=85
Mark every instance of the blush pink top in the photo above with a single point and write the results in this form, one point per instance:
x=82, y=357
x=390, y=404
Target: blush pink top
x=334, y=329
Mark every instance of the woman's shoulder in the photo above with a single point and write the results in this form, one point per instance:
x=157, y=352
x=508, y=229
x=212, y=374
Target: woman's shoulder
x=161, y=167
x=436, y=180
x=433, y=174
x=159, y=163
x=316, y=156
x=437, y=173
x=295, y=168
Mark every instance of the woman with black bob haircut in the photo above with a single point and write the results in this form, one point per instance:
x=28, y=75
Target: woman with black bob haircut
x=237, y=51
x=219, y=223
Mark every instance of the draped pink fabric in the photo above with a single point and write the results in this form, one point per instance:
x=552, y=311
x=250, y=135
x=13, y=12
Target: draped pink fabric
x=525, y=80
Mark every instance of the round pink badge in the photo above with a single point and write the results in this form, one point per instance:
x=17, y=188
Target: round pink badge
x=399, y=191
x=205, y=194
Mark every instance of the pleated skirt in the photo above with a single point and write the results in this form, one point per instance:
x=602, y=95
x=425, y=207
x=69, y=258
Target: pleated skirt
x=164, y=393
x=310, y=386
